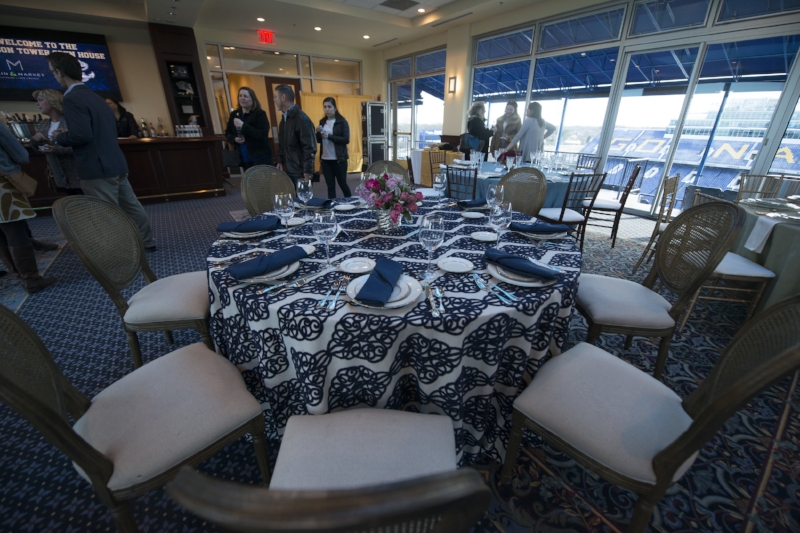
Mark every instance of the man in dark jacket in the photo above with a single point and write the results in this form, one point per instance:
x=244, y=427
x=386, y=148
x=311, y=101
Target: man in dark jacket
x=297, y=142
x=92, y=134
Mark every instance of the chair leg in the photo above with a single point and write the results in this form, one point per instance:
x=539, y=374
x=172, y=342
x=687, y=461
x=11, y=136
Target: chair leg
x=202, y=329
x=628, y=342
x=663, y=352
x=594, y=333
x=714, y=284
x=583, y=235
x=123, y=518
x=257, y=429
x=756, y=299
x=136, y=352
x=644, y=254
x=642, y=514
x=168, y=335
x=615, y=228
x=689, y=308
x=514, y=442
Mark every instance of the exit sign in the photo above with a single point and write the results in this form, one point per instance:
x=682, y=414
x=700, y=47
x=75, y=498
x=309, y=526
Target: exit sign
x=266, y=36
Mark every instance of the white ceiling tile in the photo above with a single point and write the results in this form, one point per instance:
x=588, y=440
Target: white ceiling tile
x=386, y=10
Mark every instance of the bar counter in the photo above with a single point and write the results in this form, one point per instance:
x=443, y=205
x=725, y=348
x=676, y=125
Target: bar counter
x=159, y=170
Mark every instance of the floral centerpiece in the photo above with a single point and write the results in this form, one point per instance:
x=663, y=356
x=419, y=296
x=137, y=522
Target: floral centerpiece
x=391, y=196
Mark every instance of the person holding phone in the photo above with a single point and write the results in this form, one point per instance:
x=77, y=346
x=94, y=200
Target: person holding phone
x=248, y=130
x=333, y=135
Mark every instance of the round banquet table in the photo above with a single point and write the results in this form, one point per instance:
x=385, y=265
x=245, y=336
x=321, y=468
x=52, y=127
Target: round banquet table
x=557, y=183
x=470, y=364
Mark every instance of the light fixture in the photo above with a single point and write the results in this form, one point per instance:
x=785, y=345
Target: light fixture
x=317, y=28
x=451, y=85
x=280, y=69
x=421, y=10
x=583, y=54
x=366, y=37
x=335, y=60
x=172, y=13
x=260, y=19
x=208, y=57
x=277, y=53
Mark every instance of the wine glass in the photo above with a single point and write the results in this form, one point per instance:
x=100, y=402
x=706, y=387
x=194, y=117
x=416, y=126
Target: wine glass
x=439, y=183
x=305, y=193
x=497, y=154
x=510, y=160
x=499, y=193
x=325, y=229
x=284, y=206
x=500, y=219
x=491, y=195
x=431, y=236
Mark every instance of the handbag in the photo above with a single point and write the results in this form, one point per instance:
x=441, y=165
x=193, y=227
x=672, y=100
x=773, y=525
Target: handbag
x=231, y=158
x=22, y=182
x=469, y=142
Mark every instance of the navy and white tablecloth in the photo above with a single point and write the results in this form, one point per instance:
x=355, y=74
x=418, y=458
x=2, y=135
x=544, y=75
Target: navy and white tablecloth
x=470, y=364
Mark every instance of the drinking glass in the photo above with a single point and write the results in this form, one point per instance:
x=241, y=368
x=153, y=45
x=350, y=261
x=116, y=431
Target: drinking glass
x=325, y=228
x=439, y=183
x=305, y=193
x=491, y=195
x=284, y=206
x=497, y=154
x=431, y=236
x=510, y=162
x=498, y=194
x=500, y=219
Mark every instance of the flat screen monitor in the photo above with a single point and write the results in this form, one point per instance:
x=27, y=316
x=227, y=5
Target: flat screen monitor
x=24, y=67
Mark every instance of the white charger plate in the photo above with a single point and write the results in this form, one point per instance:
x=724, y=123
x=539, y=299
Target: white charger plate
x=531, y=282
x=295, y=221
x=484, y=236
x=456, y=265
x=344, y=207
x=413, y=286
x=541, y=237
x=357, y=265
x=240, y=235
x=472, y=215
x=288, y=270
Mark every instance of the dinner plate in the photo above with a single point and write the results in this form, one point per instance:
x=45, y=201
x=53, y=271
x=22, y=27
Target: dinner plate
x=276, y=274
x=406, y=285
x=295, y=221
x=456, y=265
x=494, y=270
x=545, y=237
x=472, y=215
x=484, y=236
x=241, y=235
x=357, y=265
x=344, y=207
x=300, y=205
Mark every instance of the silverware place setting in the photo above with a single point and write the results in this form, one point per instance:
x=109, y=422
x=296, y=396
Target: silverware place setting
x=502, y=294
x=280, y=287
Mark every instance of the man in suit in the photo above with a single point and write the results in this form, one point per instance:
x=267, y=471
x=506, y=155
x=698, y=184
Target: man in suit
x=297, y=146
x=92, y=134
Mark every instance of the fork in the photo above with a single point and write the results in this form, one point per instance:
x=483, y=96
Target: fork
x=432, y=301
x=439, y=294
x=335, y=286
x=344, y=281
x=482, y=285
x=510, y=295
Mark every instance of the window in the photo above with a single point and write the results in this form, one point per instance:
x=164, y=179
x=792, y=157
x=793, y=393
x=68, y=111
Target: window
x=662, y=15
x=335, y=69
x=504, y=46
x=212, y=56
x=788, y=155
x=594, y=28
x=428, y=110
x=742, y=9
x=400, y=68
x=431, y=62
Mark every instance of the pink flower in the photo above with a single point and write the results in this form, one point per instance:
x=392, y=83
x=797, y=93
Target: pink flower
x=387, y=197
x=403, y=196
x=419, y=196
x=373, y=198
x=398, y=207
x=394, y=215
x=373, y=184
x=391, y=183
x=412, y=208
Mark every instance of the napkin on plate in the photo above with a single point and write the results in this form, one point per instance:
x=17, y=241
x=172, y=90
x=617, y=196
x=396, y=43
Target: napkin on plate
x=316, y=202
x=264, y=264
x=380, y=284
x=251, y=225
x=466, y=204
x=540, y=228
x=519, y=265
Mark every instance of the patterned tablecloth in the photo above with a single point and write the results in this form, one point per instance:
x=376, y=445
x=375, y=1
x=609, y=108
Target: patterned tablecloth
x=469, y=364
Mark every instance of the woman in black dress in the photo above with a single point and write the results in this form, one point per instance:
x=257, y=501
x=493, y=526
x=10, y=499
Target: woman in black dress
x=248, y=129
x=126, y=124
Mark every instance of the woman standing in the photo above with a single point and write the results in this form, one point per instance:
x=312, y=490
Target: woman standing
x=506, y=127
x=534, y=131
x=59, y=158
x=126, y=124
x=16, y=249
x=248, y=128
x=333, y=135
x=476, y=126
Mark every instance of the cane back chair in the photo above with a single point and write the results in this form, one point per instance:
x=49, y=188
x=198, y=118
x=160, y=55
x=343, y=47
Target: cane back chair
x=260, y=184
x=607, y=213
x=461, y=182
x=410, y=170
x=136, y=434
x=379, y=168
x=758, y=186
x=527, y=188
x=668, y=198
x=631, y=429
x=110, y=246
x=690, y=248
x=581, y=194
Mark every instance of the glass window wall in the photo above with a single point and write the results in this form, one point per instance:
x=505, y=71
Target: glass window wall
x=428, y=110
x=259, y=61
x=335, y=69
x=432, y=62
x=497, y=84
x=400, y=68
x=742, y=9
x=787, y=158
x=655, y=16
x=504, y=46
x=593, y=28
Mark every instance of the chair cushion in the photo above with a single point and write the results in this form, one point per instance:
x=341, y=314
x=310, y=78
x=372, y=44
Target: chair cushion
x=609, y=205
x=161, y=414
x=736, y=265
x=619, y=302
x=553, y=213
x=362, y=447
x=179, y=297
x=608, y=409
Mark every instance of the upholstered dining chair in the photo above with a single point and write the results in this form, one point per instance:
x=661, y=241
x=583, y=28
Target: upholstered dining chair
x=134, y=435
x=260, y=184
x=634, y=431
x=379, y=168
x=758, y=186
x=350, y=470
x=587, y=162
x=462, y=182
x=109, y=245
x=526, y=187
x=581, y=194
x=690, y=248
x=607, y=213
x=669, y=197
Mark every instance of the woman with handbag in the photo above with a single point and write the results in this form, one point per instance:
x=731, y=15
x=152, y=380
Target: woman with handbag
x=333, y=136
x=248, y=129
x=16, y=250
x=60, y=161
x=476, y=127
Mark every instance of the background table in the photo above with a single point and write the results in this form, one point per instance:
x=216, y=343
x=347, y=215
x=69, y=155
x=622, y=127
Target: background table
x=421, y=164
x=470, y=364
x=557, y=185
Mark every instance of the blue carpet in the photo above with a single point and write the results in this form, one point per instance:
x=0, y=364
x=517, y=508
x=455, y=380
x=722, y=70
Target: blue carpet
x=724, y=491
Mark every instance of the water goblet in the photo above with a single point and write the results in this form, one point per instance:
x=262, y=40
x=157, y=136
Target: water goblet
x=510, y=160
x=491, y=195
x=499, y=194
x=500, y=219
x=305, y=194
x=431, y=236
x=325, y=228
x=439, y=183
x=284, y=206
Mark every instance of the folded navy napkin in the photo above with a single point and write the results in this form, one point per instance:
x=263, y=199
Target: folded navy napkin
x=542, y=228
x=316, y=202
x=519, y=265
x=380, y=284
x=264, y=264
x=251, y=225
x=465, y=204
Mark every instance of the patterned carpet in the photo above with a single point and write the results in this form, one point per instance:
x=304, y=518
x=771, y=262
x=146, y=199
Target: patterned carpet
x=745, y=479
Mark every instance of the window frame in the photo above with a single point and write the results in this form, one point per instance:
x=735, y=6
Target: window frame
x=478, y=38
x=636, y=3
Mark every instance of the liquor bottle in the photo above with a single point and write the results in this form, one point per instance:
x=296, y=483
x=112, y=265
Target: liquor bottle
x=152, y=131
x=144, y=130
x=161, y=132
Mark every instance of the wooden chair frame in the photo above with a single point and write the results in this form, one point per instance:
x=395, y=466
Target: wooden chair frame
x=260, y=184
x=379, y=168
x=674, y=270
x=52, y=420
x=609, y=218
x=461, y=181
x=135, y=263
x=737, y=378
x=758, y=186
x=527, y=187
x=581, y=187
x=669, y=197
x=410, y=170
x=437, y=157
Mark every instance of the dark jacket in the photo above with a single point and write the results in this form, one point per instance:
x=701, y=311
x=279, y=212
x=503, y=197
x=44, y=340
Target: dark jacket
x=92, y=135
x=476, y=127
x=298, y=143
x=256, y=134
x=340, y=138
x=126, y=125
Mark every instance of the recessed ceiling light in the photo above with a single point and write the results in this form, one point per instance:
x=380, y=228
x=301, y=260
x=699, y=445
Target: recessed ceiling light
x=317, y=28
x=366, y=37
x=172, y=13
x=335, y=60
x=421, y=10
x=280, y=69
x=260, y=19
x=208, y=57
x=277, y=53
